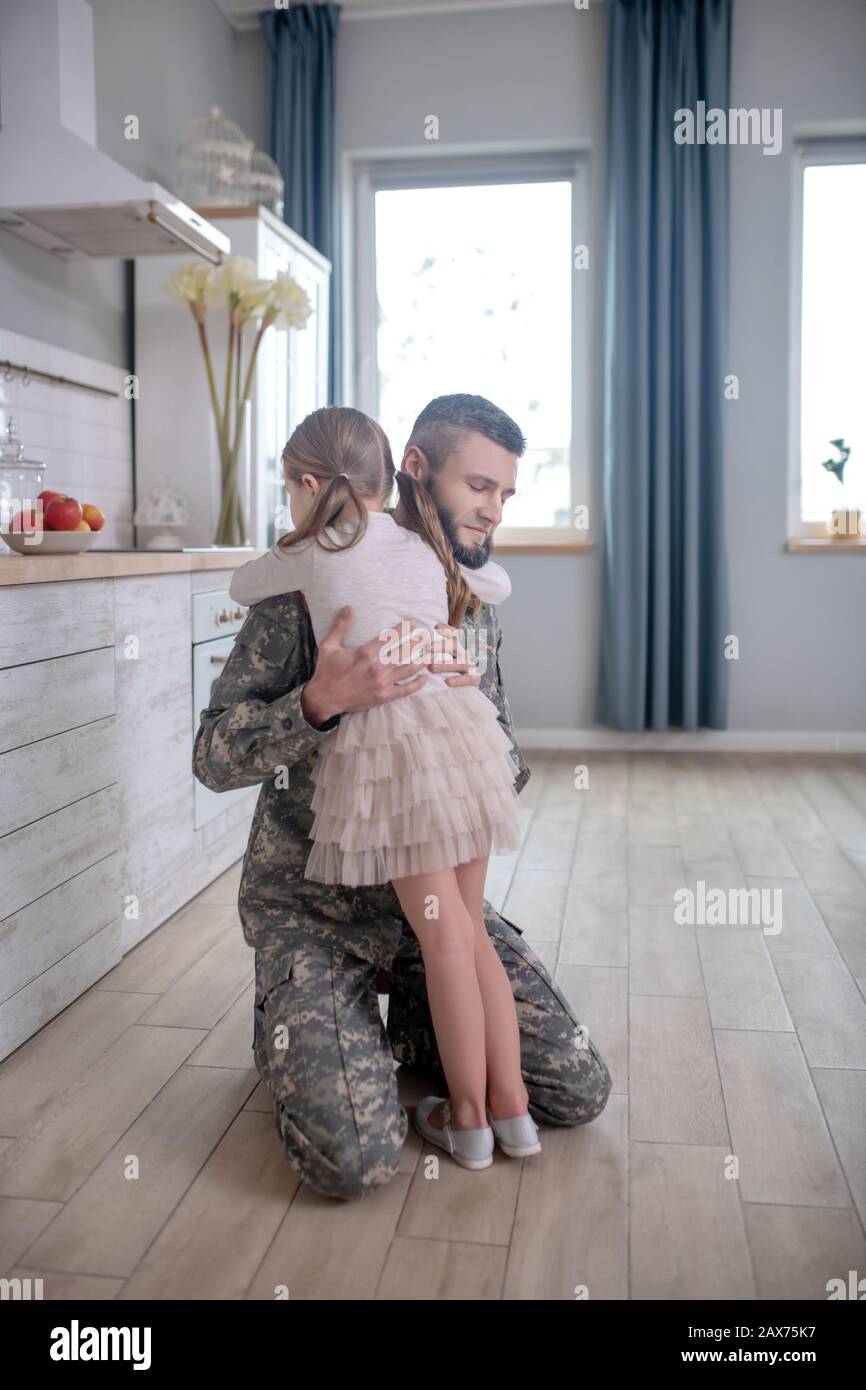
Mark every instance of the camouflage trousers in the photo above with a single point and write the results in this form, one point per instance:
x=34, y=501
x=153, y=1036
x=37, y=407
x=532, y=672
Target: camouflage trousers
x=326, y=1057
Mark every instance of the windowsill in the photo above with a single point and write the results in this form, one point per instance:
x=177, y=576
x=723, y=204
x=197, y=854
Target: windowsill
x=542, y=540
x=826, y=545
x=539, y=548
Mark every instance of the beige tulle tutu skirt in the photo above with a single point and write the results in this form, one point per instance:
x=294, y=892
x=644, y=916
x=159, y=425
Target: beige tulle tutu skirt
x=409, y=787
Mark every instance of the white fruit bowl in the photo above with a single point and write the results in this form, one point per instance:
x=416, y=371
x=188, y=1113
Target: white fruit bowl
x=48, y=542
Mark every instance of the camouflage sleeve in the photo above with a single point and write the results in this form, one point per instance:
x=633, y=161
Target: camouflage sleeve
x=254, y=723
x=494, y=689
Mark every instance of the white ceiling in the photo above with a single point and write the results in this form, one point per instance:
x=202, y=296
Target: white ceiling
x=244, y=14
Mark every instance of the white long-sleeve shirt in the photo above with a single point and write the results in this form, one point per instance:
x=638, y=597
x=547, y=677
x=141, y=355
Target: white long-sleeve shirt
x=391, y=573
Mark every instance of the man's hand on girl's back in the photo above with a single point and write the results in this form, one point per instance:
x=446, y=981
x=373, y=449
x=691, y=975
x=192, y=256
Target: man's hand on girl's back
x=347, y=679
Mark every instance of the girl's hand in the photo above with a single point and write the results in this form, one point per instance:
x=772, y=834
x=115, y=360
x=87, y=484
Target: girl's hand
x=451, y=660
x=347, y=679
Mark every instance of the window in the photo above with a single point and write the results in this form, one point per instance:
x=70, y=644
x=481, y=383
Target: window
x=828, y=350
x=465, y=280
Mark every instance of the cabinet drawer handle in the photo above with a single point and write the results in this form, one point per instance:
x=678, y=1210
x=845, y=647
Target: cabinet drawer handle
x=219, y=660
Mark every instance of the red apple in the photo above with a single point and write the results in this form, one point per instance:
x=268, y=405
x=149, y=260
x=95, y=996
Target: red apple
x=47, y=496
x=63, y=514
x=94, y=516
x=29, y=521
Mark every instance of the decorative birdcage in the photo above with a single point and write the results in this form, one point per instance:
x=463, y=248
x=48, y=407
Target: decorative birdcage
x=264, y=183
x=213, y=162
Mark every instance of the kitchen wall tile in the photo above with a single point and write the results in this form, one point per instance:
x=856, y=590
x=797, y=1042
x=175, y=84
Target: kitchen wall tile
x=106, y=475
x=11, y=395
x=34, y=429
x=116, y=503
x=94, y=408
x=84, y=439
x=104, y=441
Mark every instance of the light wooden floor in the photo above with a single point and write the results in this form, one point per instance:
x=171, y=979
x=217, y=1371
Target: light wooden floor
x=725, y=1045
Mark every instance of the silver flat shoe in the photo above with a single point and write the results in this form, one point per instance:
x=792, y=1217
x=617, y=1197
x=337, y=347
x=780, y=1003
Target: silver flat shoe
x=471, y=1148
x=517, y=1136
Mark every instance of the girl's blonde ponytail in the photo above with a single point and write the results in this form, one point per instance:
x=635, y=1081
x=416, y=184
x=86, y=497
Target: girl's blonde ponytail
x=419, y=514
x=350, y=456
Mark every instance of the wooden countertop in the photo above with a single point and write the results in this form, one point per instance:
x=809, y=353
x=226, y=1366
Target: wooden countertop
x=111, y=564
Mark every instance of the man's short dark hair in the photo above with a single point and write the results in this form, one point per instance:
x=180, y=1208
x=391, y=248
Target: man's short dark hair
x=438, y=429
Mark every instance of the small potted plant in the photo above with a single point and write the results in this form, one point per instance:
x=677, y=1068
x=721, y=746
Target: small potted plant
x=844, y=522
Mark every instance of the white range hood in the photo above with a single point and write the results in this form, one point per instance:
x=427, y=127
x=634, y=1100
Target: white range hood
x=57, y=190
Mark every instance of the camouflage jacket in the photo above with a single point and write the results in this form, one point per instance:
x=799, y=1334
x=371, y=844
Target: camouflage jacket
x=254, y=732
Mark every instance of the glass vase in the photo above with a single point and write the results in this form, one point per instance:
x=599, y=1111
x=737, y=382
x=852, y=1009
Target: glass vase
x=235, y=468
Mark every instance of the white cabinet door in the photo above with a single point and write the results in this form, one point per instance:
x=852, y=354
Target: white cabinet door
x=292, y=378
x=308, y=368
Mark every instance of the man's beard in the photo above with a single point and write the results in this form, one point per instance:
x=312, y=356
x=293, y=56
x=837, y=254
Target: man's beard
x=472, y=556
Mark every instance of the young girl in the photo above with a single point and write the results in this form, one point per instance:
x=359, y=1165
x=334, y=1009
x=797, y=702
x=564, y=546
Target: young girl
x=420, y=790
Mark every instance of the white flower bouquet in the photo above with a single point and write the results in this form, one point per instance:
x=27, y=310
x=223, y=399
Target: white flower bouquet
x=235, y=285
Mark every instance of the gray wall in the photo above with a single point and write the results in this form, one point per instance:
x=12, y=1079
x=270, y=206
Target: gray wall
x=524, y=75
x=165, y=61
x=521, y=76
x=801, y=619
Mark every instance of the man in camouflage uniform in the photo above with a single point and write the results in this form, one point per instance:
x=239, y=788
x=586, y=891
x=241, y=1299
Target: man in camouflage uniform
x=319, y=1042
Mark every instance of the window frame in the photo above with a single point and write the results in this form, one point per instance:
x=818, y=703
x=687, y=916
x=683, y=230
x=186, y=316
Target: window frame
x=364, y=174
x=844, y=146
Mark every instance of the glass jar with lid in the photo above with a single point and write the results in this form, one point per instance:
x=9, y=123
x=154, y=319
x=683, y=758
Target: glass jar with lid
x=20, y=484
x=21, y=480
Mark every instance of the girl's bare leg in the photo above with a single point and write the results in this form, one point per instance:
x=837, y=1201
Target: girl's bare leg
x=436, y=912
x=506, y=1094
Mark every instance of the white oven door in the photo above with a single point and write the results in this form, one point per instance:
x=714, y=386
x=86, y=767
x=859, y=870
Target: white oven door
x=208, y=659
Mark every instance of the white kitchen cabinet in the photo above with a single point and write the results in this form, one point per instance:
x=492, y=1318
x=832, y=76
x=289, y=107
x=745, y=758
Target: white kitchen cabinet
x=98, y=844
x=56, y=947
x=59, y=829
x=154, y=699
x=174, y=429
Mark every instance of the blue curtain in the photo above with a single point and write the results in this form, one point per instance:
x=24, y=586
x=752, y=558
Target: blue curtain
x=665, y=589
x=302, y=53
